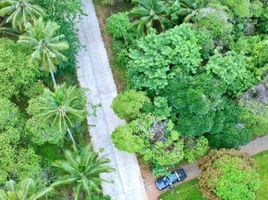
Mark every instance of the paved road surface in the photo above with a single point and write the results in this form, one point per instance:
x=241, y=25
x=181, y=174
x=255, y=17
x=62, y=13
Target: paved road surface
x=94, y=73
x=256, y=146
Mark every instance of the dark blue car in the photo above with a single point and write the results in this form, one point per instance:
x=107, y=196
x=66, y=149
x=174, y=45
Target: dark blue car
x=167, y=181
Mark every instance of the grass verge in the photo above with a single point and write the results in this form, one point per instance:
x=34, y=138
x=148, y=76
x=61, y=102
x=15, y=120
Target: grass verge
x=186, y=191
x=103, y=12
x=262, y=161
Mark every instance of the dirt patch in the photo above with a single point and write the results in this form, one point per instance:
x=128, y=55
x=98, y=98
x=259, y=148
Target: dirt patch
x=149, y=181
x=103, y=12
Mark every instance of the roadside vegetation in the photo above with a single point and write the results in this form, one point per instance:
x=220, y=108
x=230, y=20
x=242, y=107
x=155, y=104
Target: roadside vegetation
x=196, y=78
x=44, y=141
x=190, y=190
x=261, y=160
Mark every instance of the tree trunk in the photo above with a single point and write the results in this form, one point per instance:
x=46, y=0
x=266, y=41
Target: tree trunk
x=53, y=78
x=71, y=136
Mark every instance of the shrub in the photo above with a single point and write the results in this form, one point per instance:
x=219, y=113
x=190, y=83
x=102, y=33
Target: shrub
x=215, y=21
x=228, y=175
x=240, y=8
x=123, y=36
x=119, y=26
x=157, y=141
x=16, y=162
x=263, y=26
x=10, y=116
x=128, y=105
x=40, y=133
x=194, y=100
x=260, y=55
x=256, y=118
x=158, y=58
x=233, y=132
x=195, y=148
x=245, y=44
x=125, y=139
x=159, y=107
x=17, y=73
x=27, y=165
x=232, y=70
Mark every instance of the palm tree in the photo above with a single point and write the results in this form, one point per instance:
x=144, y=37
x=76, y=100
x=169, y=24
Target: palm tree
x=189, y=8
x=22, y=191
x=149, y=14
x=64, y=107
x=82, y=169
x=20, y=12
x=47, y=46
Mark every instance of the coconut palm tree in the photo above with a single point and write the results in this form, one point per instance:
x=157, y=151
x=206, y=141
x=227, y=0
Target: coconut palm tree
x=64, y=107
x=81, y=170
x=46, y=44
x=149, y=14
x=20, y=12
x=190, y=8
x=22, y=191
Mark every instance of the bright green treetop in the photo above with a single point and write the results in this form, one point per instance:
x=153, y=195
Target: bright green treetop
x=20, y=12
x=47, y=46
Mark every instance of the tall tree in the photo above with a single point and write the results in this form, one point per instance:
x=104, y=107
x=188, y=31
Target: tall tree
x=64, y=107
x=46, y=44
x=81, y=170
x=228, y=174
x=20, y=12
x=22, y=191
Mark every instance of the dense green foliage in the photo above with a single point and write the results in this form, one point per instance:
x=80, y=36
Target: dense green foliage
x=34, y=116
x=81, y=170
x=215, y=22
x=195, y=60
x=232, y=70
x=24, y=190
x=65, y=13
x=17, y=160
x=128, y=104
x=190, y=190
x=158, y=142
x=46, y=46
x=149, y=14
x=60, y=110
x=19, y=13
x=17, y=73
x=157, y=58
x=257, y=121
x=228, y=174
x=120, y=27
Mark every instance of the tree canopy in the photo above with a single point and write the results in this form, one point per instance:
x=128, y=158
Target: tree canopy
x=228, y=174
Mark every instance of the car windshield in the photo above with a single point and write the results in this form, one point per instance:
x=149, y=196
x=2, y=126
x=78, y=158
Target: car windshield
x=166, y=180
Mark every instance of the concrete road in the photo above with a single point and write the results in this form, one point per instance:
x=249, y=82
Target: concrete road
x=94, y=73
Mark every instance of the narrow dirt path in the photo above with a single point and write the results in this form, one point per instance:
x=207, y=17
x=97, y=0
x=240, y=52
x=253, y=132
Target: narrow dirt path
x=95, y=74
